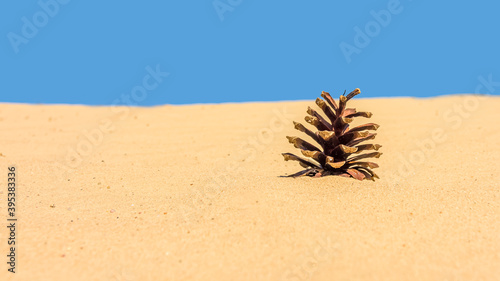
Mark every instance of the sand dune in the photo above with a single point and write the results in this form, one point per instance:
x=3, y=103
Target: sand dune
x=194, y=193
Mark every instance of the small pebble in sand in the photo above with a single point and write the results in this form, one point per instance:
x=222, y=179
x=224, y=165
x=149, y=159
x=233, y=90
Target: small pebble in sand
x=108, y=187
x=53, y=205
x=112, y=211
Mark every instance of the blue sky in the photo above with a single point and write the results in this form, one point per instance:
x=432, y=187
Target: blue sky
x=181, y=52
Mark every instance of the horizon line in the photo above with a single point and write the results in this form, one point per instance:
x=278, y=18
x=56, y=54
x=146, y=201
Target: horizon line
x=238, y=102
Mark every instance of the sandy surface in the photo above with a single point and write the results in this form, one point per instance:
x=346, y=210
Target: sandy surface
x=194, y=193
